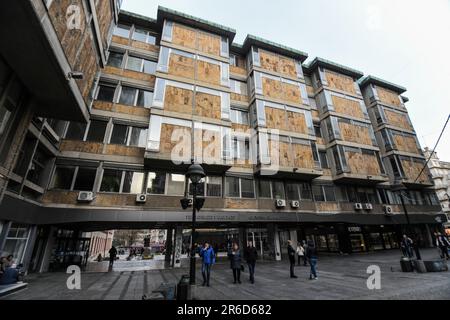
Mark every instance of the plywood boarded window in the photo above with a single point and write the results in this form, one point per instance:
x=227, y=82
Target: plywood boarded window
x=397, y=119
x=297, y=122
x=303, y=156
x=178, y=99
x=272, y=88
x=276, y=63
x=413, y=167
x=291, y=92
x=167, y=134
x=388, y=96
x=347, y=106
x=362, y=162
x=184, y=36
x=208, y=145
x=405, y=143
x=209, y=72
x=276, y=118
x=280, y=153
x=181, y=65
x=340, y=82
x=208, y=43
x=208, y=105
x=355, y=133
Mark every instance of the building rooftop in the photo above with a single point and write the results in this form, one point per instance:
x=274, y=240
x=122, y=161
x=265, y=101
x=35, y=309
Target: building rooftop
x=320, y=62
x=382, y=83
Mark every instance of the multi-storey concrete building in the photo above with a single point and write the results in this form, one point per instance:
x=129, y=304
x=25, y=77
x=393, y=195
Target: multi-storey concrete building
x=292, y=150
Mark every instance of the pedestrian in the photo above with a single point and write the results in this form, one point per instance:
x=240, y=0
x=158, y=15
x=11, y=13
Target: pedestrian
x=311, y=254
x=112, y=255
x=235, y=262
x=300, y=253
x=443, y=243
x=291, y=254
x=250, y=256
x=305, y=246
x=208, y=259
x=406, y=246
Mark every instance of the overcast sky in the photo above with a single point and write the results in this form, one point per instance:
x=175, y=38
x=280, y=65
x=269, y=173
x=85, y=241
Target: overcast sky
x=403, y=41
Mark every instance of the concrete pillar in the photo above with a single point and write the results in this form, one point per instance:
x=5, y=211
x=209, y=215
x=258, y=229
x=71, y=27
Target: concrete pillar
x=274, y=241
x=293, y=237
x=30, y=246
x=176, y=262
x=169, y=246
x=242, y=238
x=48, y=251
x=4, y=234
x=429, y=237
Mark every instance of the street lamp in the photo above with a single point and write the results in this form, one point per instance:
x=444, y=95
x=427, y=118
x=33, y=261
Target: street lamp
x=195, y=173
x=399, y=188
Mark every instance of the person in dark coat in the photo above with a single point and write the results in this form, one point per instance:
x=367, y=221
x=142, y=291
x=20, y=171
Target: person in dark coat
x=442, y=243
x=250, y=256
x=311, y=255
x=406, y=245
x=236, y=262
x=291, y=254
x=112, y=255
x=208, y=259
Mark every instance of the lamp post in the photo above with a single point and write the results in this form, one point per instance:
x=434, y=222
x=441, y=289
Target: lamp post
x=195, y=173
x=399, y=188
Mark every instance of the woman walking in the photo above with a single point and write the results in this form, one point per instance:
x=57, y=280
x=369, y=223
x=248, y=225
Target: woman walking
x=311, y=254
x=236, y=262
x=300, y=252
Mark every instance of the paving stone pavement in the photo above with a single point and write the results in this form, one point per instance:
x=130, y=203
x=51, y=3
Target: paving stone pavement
x=340, y=277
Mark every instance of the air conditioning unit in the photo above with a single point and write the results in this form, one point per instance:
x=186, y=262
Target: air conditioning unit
x=368, y=206
x=388, y=210
x=280, y=203
x=295, y=204
x=141, y=198
x=85, y=196
x=358, y=206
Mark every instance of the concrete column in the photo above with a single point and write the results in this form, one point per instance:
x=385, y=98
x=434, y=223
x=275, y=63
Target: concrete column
x=169, y=246
x=48, y=251
x=429, y=237
x=242, y=238
x=30, y=246
x=176, y=261
x=293, y=237
x=4, y=234
x=277, y=245
x=274, y=241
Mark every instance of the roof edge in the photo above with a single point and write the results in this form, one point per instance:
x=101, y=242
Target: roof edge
x=382, y=83
x=334, y=67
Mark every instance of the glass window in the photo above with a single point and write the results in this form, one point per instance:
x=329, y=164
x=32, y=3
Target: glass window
x=247, y=188
x=106, y=92
x=122, y=31
x=96, y=131
x=323, y=160
x=134, y=63
x=317, y=131
x=85, y=179
x=305, y=191
x=119, y=134
x=62, y=179
x=115, y=59
x=76, y=131
x=292, y=191
x=150, y=66
x=156, y=183
x=329, y=193
x=6, y=110
x=111, y=180
x=138, y=137
x=278, y=190
x=140, y=35
x=264, y=190
x=127, y=96
x=232, y=187
x=132, y=182
x=318, y=193
x=144, y=99
x=175, y=185
x=213, y=186
x=239, y=116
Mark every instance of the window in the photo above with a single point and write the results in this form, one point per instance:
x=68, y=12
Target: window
x=264, y=189
x=329, y=193
x=133, y=182
x=238, y=87
x=278, y=190
x=122, y=31
x=111, y=180
x=149, y=67
x=145, y=98
x=232, y=187
x=175, y=185
x=305, y=191
x=317, y=131
x=318, y=193
x=62, y=178
x=138, y=137
x=213, y=186
x=106, y=92
x=143, y=36
x=247, y=188
x=233, y=60
x=156, y=182
x=141, y=65
x=239, y=187
x=6, y=110
x=127, y=96
x=239, y=116
x=241, y=148
x=292, y=191
x=96, y=132
x=119, y=134
x=85, y=179
x=323, y=160
x=76, y=131
x=115, y=59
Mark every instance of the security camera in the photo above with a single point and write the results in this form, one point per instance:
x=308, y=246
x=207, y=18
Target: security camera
x=77, y=75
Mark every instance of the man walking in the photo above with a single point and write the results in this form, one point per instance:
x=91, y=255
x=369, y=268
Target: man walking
x=443, y=244
x=406, y=245
x=311, y=254
x=250, y=256
x=112, y=255
x=208, y=259
x=291, y=254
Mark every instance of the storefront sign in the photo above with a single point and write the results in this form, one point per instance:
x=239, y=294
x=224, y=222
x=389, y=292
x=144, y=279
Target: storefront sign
x=354, y=229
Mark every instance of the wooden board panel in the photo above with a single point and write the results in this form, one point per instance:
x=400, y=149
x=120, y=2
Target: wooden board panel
x=167, y=131
x=120, y=150
x=276, y=63
x=184, y=36
x=178, y=100
x=272, y=88
x=121, y=108
x=310, y=90
x=239, y=127
x=327, y=206
x=292, y=93
x=208, y=43
x=105, y=18
x=340, y=82
x=359, y=163
x=315, y=113
x=57, y=196
x=241, y=203
x=120, y=40
x=281, y=154
x=276, y=119
x=412, y=170
x=287, y=66
x=207, y=105
x=354, y=133
x=387, y=96
x=238, y=97
x=145, y=46
x=347, y=106
x=149, y=78
x=208, y=72
x=407, y=144
x=397, y=119
x=238, y=70
x=181, y=66
x=297, y=122
x=210, y=142
x=81, y=146
x=303, y=157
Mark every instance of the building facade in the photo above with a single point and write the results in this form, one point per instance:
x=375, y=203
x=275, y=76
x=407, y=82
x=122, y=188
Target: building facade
x=292, y=150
